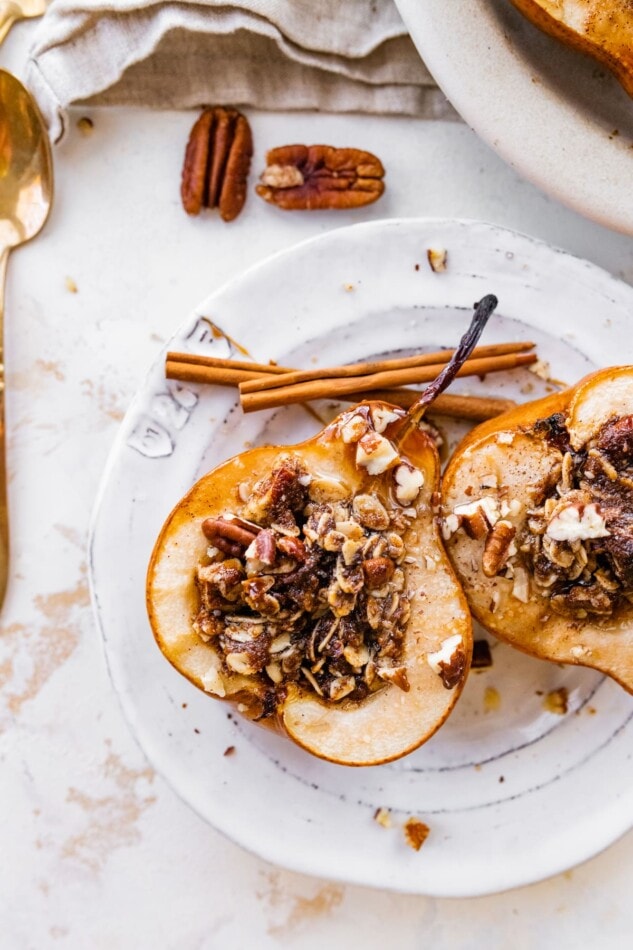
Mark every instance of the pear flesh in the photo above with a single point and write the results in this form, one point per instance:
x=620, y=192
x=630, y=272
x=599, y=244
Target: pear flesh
x=601, y=28
x=538, y=523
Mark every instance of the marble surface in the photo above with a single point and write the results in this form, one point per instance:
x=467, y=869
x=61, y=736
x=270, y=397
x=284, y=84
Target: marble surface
x=96, y=850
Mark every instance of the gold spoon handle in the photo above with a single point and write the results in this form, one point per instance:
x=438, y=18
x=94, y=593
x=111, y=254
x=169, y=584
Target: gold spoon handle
x=4, y=507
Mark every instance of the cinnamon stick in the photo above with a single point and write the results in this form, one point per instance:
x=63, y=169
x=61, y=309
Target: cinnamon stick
x=476, y=408
x=216, y=362
x=340, y=387
x=438, y=358
x=216, y=375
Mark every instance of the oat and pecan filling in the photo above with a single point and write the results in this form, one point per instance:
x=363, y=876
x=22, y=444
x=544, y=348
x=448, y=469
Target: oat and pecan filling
x=308, y=586
x=578, y=540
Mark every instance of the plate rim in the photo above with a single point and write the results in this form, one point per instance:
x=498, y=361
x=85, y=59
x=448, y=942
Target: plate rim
x=146, y=744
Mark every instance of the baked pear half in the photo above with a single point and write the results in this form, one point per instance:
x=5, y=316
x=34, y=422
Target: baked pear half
x=538, y=522
x=308, y=586
x=601, y=28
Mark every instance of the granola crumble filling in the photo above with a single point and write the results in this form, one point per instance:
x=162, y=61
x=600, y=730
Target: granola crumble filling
x=317, y=596
x=578, y=541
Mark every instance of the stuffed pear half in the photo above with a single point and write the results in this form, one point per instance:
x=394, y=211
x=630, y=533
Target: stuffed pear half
x=309, y=587
x=538, y=523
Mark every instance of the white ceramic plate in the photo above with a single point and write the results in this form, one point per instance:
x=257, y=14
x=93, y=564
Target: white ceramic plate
x=555, y=115
x=511, y=795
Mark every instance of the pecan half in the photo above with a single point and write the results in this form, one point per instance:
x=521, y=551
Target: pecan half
x=307, y=177
x=227, y=536
x=217, y=162
x=497, y=548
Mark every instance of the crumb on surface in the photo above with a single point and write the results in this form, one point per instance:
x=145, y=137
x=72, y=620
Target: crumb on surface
x=556, y=701
x=437, y=258
x=415, y=833
x=492, y=699
x=383, y=817
x=71, y=286
x=230, y=750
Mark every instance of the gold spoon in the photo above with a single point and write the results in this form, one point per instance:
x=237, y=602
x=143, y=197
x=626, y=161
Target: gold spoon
x=13, y=10
x=26, y=195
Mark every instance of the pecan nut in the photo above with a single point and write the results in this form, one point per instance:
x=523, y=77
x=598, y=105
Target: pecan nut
x=497, y=548
x=228, y=536
x=307, y=177
x=217, y=162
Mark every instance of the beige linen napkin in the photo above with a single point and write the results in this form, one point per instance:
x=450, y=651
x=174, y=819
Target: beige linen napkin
x=335, y=55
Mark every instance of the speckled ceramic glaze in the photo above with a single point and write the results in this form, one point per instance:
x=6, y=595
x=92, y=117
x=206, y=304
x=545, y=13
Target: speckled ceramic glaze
x=511, y=791
x=556, y=115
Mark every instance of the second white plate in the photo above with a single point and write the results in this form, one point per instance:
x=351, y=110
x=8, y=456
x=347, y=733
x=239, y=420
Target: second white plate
x=555, y=115
x=511, y=794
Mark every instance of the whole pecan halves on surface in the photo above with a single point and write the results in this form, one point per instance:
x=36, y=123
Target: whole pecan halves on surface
x=217, y=162
x=306, y=177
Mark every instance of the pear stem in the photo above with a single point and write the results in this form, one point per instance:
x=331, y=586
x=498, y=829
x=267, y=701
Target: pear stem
x=483, y=311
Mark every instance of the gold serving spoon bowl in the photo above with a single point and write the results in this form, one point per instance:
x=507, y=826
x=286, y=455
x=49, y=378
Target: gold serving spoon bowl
x=26, y=196
x=13, y=10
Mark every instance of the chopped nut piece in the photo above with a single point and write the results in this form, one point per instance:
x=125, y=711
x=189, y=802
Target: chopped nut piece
x=353, y=429
x=556, y=701
x=396, y=675
x=341, y=687
x=383, y=817
x=449, y=661
x=521, y=586
x=212, y=682
x=477, y=517
x=437, y=259
x=497, y=548
x=415, y=833
x=382, y=417
x=408, y=481
x=376, y=453
x=274, y=671
x=323, y=490
x=541, y=369
x=450, y=525
x=577, y=523
x=240, y=663
x=505, y=438
x=371, y=512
